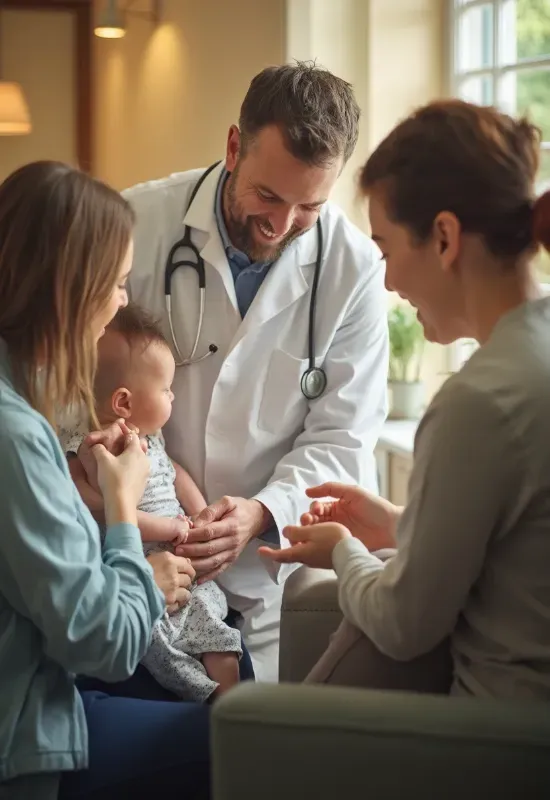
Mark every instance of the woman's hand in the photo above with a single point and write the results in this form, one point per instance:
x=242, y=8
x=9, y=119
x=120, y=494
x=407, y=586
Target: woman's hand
x=370, y=518
x=121, y=479
x=311, y=545
x=174, y=576
x=113, y=438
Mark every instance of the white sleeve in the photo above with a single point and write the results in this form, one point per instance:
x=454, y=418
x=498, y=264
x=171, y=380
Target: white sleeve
x=459, y=494
x=343, y=425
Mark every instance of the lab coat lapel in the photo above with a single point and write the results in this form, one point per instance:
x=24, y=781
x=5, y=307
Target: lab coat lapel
x=201, y=216
x=214, y=254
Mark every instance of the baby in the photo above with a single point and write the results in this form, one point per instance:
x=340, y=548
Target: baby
x=193, y=653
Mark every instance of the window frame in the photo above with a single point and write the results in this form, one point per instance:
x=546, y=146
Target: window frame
x=497, y=69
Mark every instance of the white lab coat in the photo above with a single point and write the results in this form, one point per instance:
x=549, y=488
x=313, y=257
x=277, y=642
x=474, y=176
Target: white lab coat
x=240, y=424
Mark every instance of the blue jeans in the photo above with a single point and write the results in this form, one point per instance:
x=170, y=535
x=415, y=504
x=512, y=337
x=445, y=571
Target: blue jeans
x=142, y=748
x=144, y=740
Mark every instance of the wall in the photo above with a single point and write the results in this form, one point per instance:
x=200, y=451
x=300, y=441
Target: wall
x=28, y=41
x=166, y=96
x=407, y=60
x=336, y=35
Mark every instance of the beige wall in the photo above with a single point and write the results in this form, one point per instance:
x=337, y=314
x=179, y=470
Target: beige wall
x=335, y=34
x=407, y=62
x=36, y=49
x=165, y=96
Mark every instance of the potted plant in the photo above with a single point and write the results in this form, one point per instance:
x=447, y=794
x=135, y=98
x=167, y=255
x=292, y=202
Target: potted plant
x=406, y=351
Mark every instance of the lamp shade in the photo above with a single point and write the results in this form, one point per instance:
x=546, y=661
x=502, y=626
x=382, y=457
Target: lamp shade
x=110, y=24
x=14, y=112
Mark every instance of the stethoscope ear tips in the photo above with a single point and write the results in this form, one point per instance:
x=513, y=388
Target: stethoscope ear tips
x=213, y=348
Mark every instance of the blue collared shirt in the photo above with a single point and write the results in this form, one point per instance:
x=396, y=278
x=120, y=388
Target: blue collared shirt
x=247, y=276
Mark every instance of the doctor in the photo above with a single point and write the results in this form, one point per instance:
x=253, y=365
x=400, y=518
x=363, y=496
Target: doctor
x=278, y=320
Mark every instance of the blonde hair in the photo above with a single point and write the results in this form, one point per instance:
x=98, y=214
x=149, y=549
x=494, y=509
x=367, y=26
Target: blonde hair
x=63, y=237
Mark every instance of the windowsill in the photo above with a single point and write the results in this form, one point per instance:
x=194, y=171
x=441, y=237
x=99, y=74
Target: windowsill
x=398, y=436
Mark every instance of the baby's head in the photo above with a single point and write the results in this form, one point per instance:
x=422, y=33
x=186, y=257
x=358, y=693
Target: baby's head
x=135, y=372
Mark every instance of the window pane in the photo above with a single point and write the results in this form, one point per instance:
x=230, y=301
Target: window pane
x=544, y=171
x=528, y=22
x=528, y=92
x=475, y=38
x=542, y=266
x=477, y=90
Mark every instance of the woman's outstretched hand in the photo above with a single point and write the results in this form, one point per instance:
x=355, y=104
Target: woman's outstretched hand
x=349, y=511
x=311, y=545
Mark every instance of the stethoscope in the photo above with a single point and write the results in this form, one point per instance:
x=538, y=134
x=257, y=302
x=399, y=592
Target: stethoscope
x=314, y=380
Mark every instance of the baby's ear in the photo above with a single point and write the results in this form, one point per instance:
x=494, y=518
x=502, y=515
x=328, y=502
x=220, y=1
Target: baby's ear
x=121, y=403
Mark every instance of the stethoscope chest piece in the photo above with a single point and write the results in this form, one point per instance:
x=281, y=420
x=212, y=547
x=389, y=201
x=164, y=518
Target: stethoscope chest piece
x=313, y=383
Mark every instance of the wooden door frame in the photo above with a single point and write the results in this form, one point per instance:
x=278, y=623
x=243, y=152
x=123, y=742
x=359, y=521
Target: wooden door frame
x=83, y=29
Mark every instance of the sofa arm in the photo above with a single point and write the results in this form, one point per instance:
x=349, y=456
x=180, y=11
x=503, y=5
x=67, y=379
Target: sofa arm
x=297, y=742
x=309, y=615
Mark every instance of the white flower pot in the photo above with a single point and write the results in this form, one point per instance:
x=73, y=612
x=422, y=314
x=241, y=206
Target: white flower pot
x=407, y=399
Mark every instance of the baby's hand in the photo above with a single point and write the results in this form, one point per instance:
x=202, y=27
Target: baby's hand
x=181, y=526
x=318, y=512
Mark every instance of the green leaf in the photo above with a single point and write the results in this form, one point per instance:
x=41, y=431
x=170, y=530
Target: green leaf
x=406, y=343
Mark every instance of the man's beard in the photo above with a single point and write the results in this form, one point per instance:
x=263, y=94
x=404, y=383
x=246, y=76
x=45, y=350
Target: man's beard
x=241, y=229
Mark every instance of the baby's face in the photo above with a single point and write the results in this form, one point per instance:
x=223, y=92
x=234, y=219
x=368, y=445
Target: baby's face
x=151, y=389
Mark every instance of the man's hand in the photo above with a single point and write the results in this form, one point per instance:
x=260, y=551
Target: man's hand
x=220, y=533
x=311, y=545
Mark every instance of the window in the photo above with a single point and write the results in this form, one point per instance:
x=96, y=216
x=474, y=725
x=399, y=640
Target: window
x=501, y=57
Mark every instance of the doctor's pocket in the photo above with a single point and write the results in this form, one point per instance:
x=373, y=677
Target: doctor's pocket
x=283, y=407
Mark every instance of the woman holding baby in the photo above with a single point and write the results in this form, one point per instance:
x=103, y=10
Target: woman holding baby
x=70, y=605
